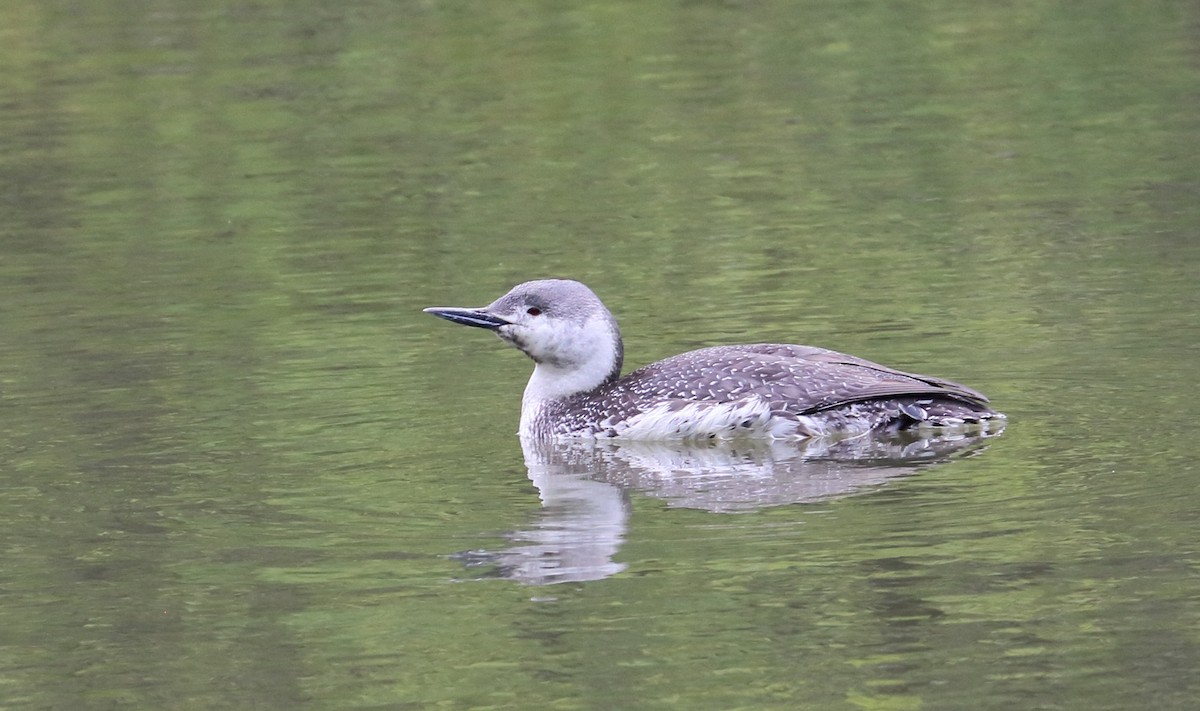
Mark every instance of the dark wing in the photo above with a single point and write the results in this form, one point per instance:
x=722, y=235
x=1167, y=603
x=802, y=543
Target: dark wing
x=802, y=379
x=883, y=374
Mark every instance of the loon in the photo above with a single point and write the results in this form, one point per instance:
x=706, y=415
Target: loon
x=761, y=390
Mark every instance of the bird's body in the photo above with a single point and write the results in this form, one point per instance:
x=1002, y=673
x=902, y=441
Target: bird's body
x=762, y=390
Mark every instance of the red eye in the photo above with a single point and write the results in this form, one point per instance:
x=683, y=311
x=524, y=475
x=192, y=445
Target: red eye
x=533, y=311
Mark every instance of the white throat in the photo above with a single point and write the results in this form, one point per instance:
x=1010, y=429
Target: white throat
x=552, y=383
x=593, y=358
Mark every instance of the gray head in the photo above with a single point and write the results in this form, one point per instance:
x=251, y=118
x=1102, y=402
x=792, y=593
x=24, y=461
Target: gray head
x=558, y=323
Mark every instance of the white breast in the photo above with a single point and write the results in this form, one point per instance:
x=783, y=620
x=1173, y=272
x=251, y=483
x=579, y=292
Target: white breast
x=750, y=417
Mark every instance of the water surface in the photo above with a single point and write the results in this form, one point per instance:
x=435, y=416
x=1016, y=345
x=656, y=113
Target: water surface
x=240, y=469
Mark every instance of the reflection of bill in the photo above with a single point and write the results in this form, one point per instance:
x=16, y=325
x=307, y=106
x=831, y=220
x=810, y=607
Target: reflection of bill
x=584, y=486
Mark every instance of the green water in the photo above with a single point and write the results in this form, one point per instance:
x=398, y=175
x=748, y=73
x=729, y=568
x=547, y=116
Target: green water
x=240, y=469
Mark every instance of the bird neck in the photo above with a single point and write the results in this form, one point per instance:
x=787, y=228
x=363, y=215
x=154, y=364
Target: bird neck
x=556, y=381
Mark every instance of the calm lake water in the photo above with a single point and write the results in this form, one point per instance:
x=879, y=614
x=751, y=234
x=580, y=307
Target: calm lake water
x=240, y=469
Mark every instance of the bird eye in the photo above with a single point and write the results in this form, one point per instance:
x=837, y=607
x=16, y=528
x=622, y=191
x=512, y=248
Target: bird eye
x=533, y=311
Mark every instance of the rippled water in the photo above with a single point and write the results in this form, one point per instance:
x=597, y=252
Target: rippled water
x=240, y=469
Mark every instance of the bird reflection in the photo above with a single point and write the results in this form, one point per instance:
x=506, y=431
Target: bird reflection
x=584, y=487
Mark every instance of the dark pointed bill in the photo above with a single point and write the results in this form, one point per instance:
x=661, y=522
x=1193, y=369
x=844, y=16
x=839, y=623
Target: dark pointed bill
x=468, y=317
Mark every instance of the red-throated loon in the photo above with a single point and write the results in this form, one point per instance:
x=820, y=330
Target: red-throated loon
x=763, y=390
